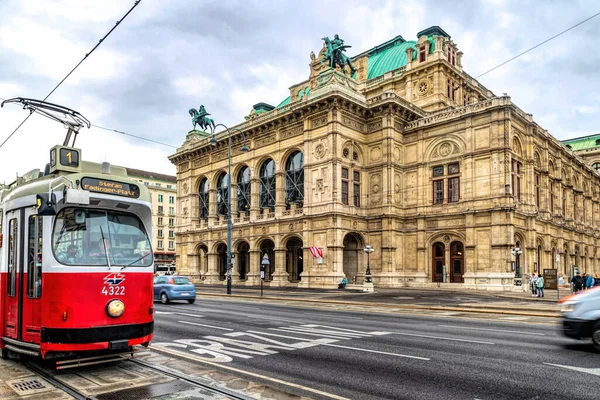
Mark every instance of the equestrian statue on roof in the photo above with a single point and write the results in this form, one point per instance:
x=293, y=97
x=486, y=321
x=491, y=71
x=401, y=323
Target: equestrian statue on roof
x=335, y=54
x=199, y=117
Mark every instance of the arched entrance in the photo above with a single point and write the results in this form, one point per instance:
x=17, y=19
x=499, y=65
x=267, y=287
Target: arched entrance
x=202, y=265
x=352, y=249
x=222, y=260
x=438, y=262
x=293, y=259
x=565, y=256
x=268, y=247
x=243, y=259
x=457, y=262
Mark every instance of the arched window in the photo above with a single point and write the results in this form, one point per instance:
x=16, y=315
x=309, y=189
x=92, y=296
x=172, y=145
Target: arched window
x=243, y=190
x=203, y=196
x=294, y=179
x=267, y=185
x=223, y=194
x=596, y=166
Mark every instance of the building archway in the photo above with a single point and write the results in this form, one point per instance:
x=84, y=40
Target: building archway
x=268, y=247
x=222, y=260
x=294, y=262
x=457, y=262
x=243, y=259
x=566, y=269
x=352, y=251
x=438, y=261
x=202, y=262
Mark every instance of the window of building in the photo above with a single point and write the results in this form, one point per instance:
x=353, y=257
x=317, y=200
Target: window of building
x=171, y=221
x=451, y=180
x=160, y=198
x=422, y=54
x=171, y=210
x=267, y=185
x=169, y=186
x=171, y=199
x=203, y=197
x=564, y=203
x=438, y=192
x=243, y=190
x=356, y=183
x=160, y=244
x=294, y=179
x=171, y=244
x=516, y=179
x=160, y=221
x=158, y=185
x=160, y=210
x=537, y=191
x=223, y=194
x=345, y=186
x=596, y=165
x=159, y=233
x=171, y=234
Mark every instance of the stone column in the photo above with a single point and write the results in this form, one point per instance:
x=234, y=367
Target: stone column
x=254, y=198
x=212, y=207
x=280, y=275
x=279, y=193
x=212, y=276
x=234, y=201
x=254, y=268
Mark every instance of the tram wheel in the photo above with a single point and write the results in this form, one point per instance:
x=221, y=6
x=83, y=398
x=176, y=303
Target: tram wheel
x=191, y=301
x=4, y=354
x=164, y=298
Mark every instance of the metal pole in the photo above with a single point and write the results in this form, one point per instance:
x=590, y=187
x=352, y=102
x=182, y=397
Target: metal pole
x=261, y=287
x=229, y=223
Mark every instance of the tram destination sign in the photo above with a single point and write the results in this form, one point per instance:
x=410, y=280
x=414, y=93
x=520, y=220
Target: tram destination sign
x=110, y=187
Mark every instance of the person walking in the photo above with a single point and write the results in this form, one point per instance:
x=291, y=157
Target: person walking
x=533, y=284
x=540, y=286
x=589, y=282
x=577, y=283
x=596, y=280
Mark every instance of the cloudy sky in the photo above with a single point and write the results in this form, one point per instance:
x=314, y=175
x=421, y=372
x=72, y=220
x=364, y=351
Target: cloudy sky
x=169, y=56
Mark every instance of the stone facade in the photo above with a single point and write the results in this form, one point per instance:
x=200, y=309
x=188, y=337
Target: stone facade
x=423, y=163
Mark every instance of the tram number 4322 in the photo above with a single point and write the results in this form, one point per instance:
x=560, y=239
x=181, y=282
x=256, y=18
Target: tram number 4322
x=113, y=290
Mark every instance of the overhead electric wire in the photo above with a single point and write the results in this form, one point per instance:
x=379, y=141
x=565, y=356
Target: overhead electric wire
x=538, y=45
x=135, y=136
x=73, y=70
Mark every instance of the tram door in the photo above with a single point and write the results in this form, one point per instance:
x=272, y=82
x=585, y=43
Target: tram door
x=24, y=262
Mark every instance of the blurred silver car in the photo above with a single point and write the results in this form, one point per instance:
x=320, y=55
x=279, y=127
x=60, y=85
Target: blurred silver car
x=581, y=315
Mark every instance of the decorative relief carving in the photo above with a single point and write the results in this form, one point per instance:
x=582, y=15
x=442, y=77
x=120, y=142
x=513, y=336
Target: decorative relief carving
x=396, y=153
x=376, y=153
x=446, y=239
x=376, y=188
x=399, y=126
x=352, y=123
x=373, y=126
x=265, y=140
x=185, y=188
x=319, y=122
x=291, y=132
x=445, y=149
x=320, y=151
x=320, y=186
x=200, y=162
x=221, y=155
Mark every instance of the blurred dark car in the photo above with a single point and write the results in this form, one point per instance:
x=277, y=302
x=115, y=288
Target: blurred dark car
x=173, y=287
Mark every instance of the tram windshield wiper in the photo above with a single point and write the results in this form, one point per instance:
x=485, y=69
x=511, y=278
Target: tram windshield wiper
x=106, y=250
x=133, y=262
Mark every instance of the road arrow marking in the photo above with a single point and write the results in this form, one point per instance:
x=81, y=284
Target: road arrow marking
x=592, y=371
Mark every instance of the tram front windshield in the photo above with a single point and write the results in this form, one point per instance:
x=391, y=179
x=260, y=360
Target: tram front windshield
x=99, y=237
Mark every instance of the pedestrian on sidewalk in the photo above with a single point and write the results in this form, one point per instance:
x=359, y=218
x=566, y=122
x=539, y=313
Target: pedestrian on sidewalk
x=596, y=280
x=561, y=281
x=577, y=283
x=533, y=284
x=589, y=282
x=585, y=279
x=540, y=286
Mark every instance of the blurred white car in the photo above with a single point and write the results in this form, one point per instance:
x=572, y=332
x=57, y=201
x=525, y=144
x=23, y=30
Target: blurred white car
x=581, y=315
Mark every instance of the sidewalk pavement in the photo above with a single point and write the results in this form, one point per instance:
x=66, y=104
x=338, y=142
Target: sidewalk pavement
x=17, y=382
x=447, y=299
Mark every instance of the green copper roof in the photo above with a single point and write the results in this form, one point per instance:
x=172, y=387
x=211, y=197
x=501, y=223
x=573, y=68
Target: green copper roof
x=583, y=143
x=284, y=103
x=389, y=59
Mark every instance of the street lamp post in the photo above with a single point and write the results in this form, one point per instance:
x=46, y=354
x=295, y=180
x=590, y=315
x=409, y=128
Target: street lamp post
x=263, y=266
x=517, y=253
x=213, y=141
x=368, y=284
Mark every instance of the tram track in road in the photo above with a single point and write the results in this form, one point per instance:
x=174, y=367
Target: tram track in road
x=186, y=378
x=48, y=377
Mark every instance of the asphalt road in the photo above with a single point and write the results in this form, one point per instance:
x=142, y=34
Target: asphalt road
x=332, y=353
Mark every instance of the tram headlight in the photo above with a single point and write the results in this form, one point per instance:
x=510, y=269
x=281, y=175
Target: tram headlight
x=115, y=308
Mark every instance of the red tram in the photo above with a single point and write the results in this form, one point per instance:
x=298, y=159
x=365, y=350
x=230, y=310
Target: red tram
x=76, y=265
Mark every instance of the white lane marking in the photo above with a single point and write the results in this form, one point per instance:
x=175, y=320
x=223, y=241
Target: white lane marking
x=592, y=371
x=281, y=336
x=162, y=312
x=288, y=330
x=493, y=330
x=260, y=376
x=378, y=352
x=514, y=318
x=190, y=315
x=335, y=331
x=207, y=326
x=447, y=313
x=441, y=338
x=332, y=316
x=342, y=330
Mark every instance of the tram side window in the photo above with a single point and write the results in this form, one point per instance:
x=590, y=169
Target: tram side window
x=34, y=261
x=13, y=234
